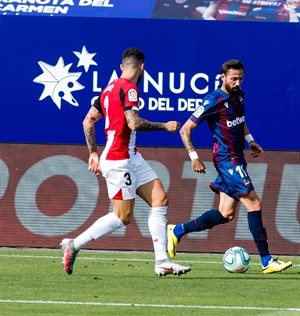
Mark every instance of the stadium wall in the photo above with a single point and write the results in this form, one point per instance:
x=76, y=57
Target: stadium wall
x=47, y=193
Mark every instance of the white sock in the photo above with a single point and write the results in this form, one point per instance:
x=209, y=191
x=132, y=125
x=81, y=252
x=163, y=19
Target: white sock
x=103, y=226
x=157, y=221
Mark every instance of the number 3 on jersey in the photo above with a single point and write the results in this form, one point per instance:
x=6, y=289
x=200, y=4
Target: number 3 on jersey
x=127, y=176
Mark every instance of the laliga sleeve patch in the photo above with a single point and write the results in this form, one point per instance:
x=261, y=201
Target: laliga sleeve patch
x=199, y=111
x=132, y=95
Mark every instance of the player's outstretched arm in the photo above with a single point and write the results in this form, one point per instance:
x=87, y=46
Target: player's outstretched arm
x=137, y=123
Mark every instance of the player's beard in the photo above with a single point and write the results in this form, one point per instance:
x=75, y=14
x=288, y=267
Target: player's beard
x=232, y=91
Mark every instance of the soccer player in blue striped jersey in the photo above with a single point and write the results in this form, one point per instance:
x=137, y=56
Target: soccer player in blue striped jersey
x=224, y=111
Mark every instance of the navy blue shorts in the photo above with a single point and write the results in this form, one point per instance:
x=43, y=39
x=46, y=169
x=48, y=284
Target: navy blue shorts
x=233, y=180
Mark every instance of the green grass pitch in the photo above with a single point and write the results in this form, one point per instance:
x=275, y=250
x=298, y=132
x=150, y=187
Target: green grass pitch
x=33, y=282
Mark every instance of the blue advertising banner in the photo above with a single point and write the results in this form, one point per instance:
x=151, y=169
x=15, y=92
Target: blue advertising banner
x=53, y=68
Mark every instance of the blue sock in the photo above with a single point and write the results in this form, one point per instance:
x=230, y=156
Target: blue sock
x=207, y=220
x=259, y=235
x=265, y=260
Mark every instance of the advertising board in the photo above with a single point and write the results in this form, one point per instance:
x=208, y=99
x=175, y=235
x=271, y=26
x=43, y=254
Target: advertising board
x=47, y=194
x=54, y=67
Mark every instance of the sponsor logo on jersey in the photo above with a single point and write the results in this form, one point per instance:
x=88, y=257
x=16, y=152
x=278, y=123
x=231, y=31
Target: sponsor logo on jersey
x=206, y=102
x=199, y=111
x=132, y=95
x=237, y=121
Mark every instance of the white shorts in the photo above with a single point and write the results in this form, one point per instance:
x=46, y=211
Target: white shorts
x=124, y=177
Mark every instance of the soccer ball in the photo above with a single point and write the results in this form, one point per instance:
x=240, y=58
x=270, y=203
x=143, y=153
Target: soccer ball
x=236, y=260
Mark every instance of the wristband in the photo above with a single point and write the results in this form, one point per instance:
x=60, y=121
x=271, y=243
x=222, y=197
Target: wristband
x=249, y=138
x=193, y=155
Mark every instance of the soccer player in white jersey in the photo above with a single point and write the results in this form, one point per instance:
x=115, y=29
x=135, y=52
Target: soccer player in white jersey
x=126, y=173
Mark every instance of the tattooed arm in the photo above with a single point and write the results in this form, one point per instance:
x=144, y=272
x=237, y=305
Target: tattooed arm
x=186, y=137
x=136, y=123
x=88, y=123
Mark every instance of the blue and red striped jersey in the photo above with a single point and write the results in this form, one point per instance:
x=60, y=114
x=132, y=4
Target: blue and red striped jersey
x=225, y=115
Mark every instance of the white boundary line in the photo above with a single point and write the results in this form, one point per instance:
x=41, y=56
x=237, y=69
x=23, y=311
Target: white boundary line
x=119, y=259
x=290, y=309
x=108, y=259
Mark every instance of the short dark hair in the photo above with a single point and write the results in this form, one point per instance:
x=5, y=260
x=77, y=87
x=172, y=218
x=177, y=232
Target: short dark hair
x=232, y=64
x=133, y=56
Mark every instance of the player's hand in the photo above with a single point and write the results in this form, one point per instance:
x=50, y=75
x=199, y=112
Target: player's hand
x=198, y=166
x=256, y=150
x=94, y=163
x=172, y=126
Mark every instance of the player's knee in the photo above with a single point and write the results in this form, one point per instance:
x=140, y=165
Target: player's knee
x=229, y=215
x=126, y=220
x=258, y=204
x=253, y=205
x=252, y=201
x=161, y=201
x=165, y=201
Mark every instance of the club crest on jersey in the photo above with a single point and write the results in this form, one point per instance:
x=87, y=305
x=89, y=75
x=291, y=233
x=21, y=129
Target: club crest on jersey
x=132, y=95
x=247, y=183
x=199, y=111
